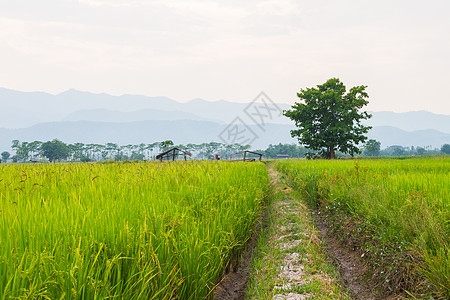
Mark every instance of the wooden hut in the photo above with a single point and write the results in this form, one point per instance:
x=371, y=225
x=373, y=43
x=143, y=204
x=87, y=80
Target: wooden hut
x=173, y=154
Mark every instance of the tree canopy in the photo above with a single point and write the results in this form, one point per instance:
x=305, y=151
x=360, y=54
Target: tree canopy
x=445, y=148
x=329, y=118
x=372, y=148
x=166, y=144
x=55, y=150
x=5, y=155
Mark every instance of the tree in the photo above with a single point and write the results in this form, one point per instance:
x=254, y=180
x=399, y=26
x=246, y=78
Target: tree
x=151, y=147
x=112, y=147
x=212, y=148
x=34, y=147
x=5, y=156
x=291, y=150
x=15, y=145
x=445, y=149
x=55, y=150
x=372, y=148
x=420, y=151
x=330, y=118
x=165, y=144
x=22, y=149
x=398, y=151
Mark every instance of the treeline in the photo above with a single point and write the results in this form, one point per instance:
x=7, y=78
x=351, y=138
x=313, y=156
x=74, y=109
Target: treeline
x=372, y=148
x=284, y=151
x=37, y=151
x=57, y=150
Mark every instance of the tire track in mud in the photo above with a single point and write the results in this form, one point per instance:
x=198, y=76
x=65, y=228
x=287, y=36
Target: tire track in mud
x=301, y=267
x=294, y=275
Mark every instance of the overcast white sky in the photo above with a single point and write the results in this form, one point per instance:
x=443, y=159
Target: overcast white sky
x=229, y=49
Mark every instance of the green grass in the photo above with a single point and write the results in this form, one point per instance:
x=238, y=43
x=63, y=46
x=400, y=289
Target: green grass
x=124, y=231
x=403, y=204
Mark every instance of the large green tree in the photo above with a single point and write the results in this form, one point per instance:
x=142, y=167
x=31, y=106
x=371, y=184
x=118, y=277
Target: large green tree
x=329, y=117
x=55, y=150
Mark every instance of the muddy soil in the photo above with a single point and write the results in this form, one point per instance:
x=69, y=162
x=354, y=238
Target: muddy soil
x=234, y=283
x=351, y=267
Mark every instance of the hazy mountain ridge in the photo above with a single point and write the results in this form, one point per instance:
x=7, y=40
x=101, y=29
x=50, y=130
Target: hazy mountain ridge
x=389, y=136
x=113, y=116
x=180, y=131
x=411, y=121
x=24, y=109
x=75, y=116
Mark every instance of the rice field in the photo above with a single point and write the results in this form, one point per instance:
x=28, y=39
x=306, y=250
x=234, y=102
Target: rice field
x=123, y=230
x=405, y=203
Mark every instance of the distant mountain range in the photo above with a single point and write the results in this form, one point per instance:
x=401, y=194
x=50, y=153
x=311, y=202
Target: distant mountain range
x=75, y=116
x=411, y=121
x=390, y=136
x=180, y=131
x=24, y=109
x=111, y=116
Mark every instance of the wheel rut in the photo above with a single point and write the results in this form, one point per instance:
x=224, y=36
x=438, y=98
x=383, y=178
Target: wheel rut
x=304, y=257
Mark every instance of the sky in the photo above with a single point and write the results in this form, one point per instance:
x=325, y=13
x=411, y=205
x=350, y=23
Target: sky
x=229, y=49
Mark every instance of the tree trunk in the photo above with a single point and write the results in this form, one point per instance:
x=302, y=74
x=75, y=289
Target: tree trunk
x=331, y=152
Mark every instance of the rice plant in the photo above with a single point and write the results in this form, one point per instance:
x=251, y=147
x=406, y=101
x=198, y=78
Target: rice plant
x=405, y=202
x=123, y=230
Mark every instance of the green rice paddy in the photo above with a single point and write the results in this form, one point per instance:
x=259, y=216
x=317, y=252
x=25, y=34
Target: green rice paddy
x=123, y=230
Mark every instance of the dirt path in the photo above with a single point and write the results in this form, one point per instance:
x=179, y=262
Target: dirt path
x=292, y=262
x=292, y=270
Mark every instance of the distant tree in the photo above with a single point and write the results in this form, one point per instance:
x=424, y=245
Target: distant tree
x=98, y=150
x=120, y=156
x=191, y=148
x=15, y=145
x=150, y=148
x=90, y=151
x=212, y=148
x=164, y=145
x=244, y=147
x=398, y=151
x=113, y=149
x=22, y=149
x=55, y=150
x=128, y=149
x=76, y=151
x=228, y=149
x=142, y=147
x=5, y=156
x=420, y=151
x=34, y=148
x=329, y=117
x=445, y=149
x=137, y=156
x=291, y=150
x=372, y=148
x=104, y=154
